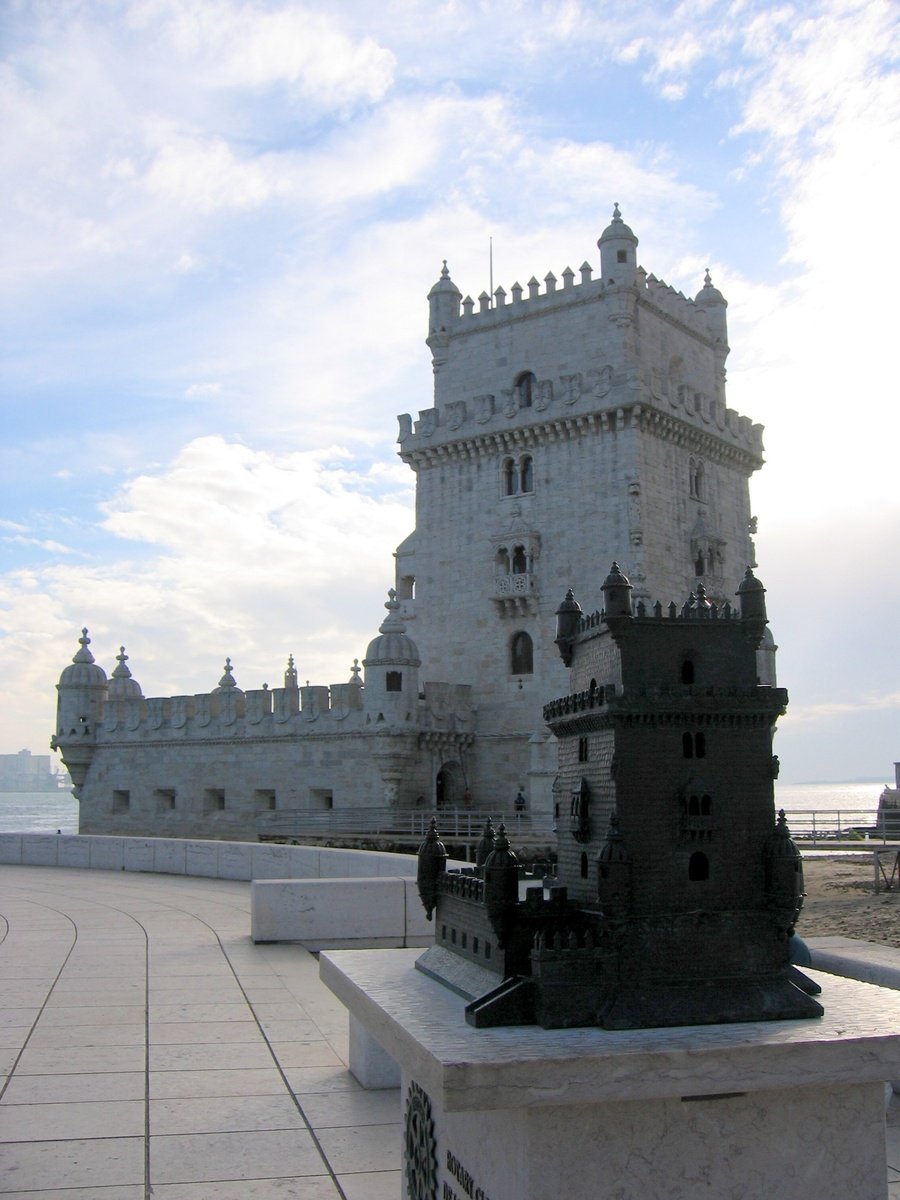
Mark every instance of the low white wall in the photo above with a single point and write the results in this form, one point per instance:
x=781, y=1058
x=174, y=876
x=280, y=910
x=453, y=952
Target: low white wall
x=216, y=860
x=339, y=914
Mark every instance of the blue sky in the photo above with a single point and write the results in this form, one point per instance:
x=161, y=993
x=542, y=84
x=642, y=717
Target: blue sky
x=219, y=221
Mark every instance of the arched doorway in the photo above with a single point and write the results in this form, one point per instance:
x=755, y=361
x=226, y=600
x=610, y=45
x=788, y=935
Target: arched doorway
x=449, y=786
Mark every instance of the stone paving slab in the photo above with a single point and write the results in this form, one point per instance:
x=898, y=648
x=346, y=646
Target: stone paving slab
x=155, y=1051
x=274, y=1117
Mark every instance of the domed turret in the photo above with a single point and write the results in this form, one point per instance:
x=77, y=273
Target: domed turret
x=784, y=877
x=501, y=884
x=121, y=685
x=443, y=312
x=618, y=251
x=391, y=670
x=714, y=304
x=568, y=616
x=227, y=682
x=79, y=710
x=83, y=671
x=752, y=597
x=432, y=862
x=617, y=591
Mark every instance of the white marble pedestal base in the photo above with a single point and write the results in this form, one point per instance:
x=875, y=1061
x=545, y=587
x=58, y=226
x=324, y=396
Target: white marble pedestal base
x=724, y=1112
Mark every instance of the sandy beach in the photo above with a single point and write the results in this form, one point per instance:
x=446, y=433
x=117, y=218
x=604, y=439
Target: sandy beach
x=841, y=899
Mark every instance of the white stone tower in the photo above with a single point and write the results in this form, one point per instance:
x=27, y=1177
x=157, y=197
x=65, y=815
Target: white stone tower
x=571, y=426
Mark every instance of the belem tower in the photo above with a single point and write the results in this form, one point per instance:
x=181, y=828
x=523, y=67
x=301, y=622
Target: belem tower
x=574, y=421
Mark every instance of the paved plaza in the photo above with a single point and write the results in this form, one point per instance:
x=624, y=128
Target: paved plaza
x=149, y=1049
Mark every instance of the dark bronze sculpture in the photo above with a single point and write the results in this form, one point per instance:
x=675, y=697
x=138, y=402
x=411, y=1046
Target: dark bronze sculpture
x=678, y=888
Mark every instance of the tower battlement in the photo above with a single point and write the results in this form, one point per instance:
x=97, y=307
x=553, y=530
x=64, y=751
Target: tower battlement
x=604, y=352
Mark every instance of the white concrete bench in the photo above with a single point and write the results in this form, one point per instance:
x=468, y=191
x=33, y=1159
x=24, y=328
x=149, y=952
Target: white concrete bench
x=339, y=913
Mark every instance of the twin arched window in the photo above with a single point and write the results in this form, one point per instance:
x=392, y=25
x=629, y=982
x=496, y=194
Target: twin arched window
x=518, y=475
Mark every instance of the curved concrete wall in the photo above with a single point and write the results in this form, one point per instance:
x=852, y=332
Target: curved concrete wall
x=213, y=859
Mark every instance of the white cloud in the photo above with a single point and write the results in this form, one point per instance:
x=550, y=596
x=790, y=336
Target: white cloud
x=256, y=46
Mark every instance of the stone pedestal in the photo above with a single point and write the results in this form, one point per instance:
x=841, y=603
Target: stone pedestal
x=782, y=1108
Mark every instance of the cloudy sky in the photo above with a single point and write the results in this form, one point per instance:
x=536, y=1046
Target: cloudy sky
x=219, y=221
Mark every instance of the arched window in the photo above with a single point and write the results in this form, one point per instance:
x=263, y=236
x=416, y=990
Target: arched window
x=521, y=654
x=687, y=671
x=687, y=745
x=519, y=561
x=526, y=473
x=394, y=681
x=694, y=806
x=705, y=806
x=510, y=477
x=584, y=865
x=698, y=867
x=525, y=388
x=695, y=478
x=700, y=745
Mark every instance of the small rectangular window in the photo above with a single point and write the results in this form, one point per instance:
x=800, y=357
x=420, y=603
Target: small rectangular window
x=264, y=800
x=165, y=800
x=121, y=801
x=214, y=800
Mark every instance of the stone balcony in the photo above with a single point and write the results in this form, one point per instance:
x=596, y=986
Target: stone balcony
x=514, y=593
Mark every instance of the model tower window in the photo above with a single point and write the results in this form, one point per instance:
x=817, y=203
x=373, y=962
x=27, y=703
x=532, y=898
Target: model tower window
x=693, y=745
x=393, y=681
x=698, y=867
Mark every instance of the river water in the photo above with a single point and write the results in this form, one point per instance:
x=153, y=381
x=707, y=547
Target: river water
x=47, y=812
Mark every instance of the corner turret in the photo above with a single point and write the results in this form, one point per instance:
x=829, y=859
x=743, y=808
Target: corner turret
x=81, y=692
x=714, y=304
x=443, y=313
x=618, y=252
x=617, y=591
x=392, y=662
x=568, y=616
x=752, y=597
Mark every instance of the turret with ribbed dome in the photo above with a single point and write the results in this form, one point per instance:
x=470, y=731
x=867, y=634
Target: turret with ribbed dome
x=122, y=686
x=714, y=304
x=392, y=670
x=618, y=251
x=81, y=692
x=443, y=313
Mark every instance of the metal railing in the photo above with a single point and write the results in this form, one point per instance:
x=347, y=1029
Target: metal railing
x=463, y=823
x=827, y=825
x=815, y=827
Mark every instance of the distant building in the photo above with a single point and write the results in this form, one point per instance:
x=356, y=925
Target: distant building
x=27, y=772
x=572, y=423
